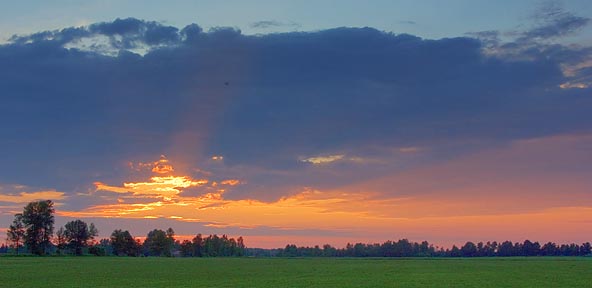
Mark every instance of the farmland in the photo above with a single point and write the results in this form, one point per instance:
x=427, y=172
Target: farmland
x=294, y=272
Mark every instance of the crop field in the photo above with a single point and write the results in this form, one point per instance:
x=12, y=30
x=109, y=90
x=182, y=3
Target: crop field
x=296, y=272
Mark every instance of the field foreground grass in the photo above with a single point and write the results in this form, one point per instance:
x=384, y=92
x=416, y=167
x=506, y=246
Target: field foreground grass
x=298, y=272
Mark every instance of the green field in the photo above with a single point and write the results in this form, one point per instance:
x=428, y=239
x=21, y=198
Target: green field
x=298, y=272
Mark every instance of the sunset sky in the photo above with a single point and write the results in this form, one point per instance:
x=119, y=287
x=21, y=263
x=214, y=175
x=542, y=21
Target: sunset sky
x=305, y=122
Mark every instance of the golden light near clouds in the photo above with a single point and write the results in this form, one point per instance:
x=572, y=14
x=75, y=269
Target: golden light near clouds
x=159, y=186
x=162, y=166
x=164, y=186
x=230, y=182
x=402, y=201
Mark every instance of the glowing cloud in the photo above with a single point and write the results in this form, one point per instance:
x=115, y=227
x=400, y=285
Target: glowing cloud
x=230, y=182
x=570, y=85
x=165, y=186
x=323, y=159
x=162, y=166
x=158, y=186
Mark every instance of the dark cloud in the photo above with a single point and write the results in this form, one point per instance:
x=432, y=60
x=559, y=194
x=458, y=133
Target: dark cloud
x=123, y=34
x=73, y=115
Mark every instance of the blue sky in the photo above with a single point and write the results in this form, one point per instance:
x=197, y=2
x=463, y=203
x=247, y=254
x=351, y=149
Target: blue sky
x=324, y=122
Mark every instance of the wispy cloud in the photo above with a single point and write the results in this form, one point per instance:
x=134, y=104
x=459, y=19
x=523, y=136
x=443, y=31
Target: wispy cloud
x=266, y=24
x=407, y=22
x=554, y=21
x=323, y=159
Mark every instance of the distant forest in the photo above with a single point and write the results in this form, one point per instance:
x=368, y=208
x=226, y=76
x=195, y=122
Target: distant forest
x=32, y=232
x=406, y=248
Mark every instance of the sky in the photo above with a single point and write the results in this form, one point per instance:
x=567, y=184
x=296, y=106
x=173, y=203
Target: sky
x=301, y=122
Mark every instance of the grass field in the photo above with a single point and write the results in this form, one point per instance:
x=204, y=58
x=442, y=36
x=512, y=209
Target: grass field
x=299, y=272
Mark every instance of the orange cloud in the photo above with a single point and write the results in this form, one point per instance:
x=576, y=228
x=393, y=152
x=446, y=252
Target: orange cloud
x=165, y=186
x=356, y=213
x=230, y=182
x=162, y=166
x=25, y=197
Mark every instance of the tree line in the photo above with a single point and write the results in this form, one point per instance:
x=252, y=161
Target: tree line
x=163, y=243
x=406, y=248
x=32, y=231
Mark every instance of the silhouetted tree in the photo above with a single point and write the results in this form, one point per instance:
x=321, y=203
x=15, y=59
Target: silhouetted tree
x=468, y=250
x=186, y=248
x=505, y=249
x=198, y=245
x=38, y=220
x=403, y=248
x=105, y=244
x=585, y=249
x=549, y=249
x=61, y=240
x=455, y=252
x=530, y=249
x=123, y=244
x=171, y=241
x=489, y=249
x=78, y=234
x=291, y=250
x=240, y=243
x=328, y=251
x=16, y=232
x=159, y=243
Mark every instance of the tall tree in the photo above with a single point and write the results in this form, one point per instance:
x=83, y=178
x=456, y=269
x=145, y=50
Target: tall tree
x=240, y=242
x=160, y=243
x=123, y=244
x=186, y=248
x=16, y=232
x=78, y=234
x=38, y=220
x=94, y=232
x=198, y=245
x=61, y=240
x=469, y=250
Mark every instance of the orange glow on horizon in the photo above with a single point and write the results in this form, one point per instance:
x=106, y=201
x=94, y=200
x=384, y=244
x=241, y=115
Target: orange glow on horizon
x=477, y=197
